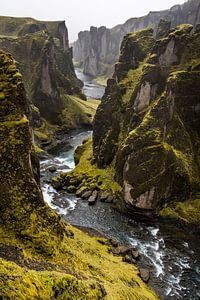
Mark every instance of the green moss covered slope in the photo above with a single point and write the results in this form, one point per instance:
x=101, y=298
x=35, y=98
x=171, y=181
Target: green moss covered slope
x=147, y=127
x=44, y=58
x=41, y=257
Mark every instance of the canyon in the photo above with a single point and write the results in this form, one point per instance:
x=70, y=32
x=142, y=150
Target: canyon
x=100, y=186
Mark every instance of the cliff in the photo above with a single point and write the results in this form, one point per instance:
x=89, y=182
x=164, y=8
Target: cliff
x=41, y=257
x=97, y=50
x=146, y=130
x=44, y=58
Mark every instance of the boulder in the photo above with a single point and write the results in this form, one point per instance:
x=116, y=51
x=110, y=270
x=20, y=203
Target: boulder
x=144, y=274
x=113, y=243
x=135, y=253
x=57, y=184
x=80, y=192
x=86, y=195
x=121, y=250
x=103, y=195
x=92, y=199
x=128, y=259
x=52, y=169
x=110, y=199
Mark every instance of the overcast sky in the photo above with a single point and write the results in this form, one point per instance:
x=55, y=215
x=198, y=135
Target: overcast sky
x=80, y=15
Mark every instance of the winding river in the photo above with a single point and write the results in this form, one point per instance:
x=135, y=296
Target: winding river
x=172, y=255
x=91, y=89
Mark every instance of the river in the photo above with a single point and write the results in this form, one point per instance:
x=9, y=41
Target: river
x=170, y=253
x=91, y=89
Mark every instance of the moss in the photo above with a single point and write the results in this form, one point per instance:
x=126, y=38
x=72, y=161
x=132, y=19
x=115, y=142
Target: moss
x=90, y=175
x=46, y=132
x=131, y=82
x=144, y=39
x=71, y=189
x=2, y=96
x=38, y=150
x=101, y=80
x=78, y=112
x=188, y=211
x=180, y=30
x=100, y=274
x=44, y=285
x=31, y=42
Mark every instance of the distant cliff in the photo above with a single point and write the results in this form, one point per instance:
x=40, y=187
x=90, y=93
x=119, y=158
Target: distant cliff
x=44, y=58
x=97, y=50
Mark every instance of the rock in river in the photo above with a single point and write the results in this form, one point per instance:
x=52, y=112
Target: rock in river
x=144, y=274
x=93, y=198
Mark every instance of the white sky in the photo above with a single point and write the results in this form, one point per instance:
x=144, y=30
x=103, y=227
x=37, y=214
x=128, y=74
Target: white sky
x=80, y=15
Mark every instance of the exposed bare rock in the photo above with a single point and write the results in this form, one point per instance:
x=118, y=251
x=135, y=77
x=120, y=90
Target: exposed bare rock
x=92, y=199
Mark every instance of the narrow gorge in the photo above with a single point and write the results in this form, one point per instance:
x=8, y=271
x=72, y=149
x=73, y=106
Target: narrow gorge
x=100, y=159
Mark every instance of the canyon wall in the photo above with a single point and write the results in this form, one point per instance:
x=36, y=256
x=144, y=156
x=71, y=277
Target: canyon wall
x=44, y=58
x=97, y=50
x=151, y=113
x=145, y=152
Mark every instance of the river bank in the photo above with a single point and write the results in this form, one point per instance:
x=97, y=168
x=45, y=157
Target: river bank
x=171, y=254
x=91, y=88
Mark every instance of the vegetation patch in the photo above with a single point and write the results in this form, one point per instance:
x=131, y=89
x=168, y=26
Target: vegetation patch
x=87, y=175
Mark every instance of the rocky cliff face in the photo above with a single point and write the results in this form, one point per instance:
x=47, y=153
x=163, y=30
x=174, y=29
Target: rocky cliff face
x=97, y=50
x=41, y=257
x=19, y=174
x=147, y=126
x=145, y=155
x=42, y=52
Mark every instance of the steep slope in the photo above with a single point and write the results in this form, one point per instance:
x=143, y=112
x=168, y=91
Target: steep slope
x=41, y=257
x=146, y=129
x=44, y=57
x=97, y=50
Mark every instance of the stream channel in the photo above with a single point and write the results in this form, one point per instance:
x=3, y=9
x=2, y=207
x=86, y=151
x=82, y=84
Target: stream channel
x=171, y=254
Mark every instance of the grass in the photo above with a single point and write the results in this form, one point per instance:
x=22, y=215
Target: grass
x=131, y=81
x=78, y=111
x=82, y=269
x=188, y=211
x=90, y=175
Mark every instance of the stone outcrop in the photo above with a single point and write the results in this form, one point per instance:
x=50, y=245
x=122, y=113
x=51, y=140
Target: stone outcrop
x=147, y=125
x=97, y=50
x=44, y=57
x=19, y=175
x=41, y=257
